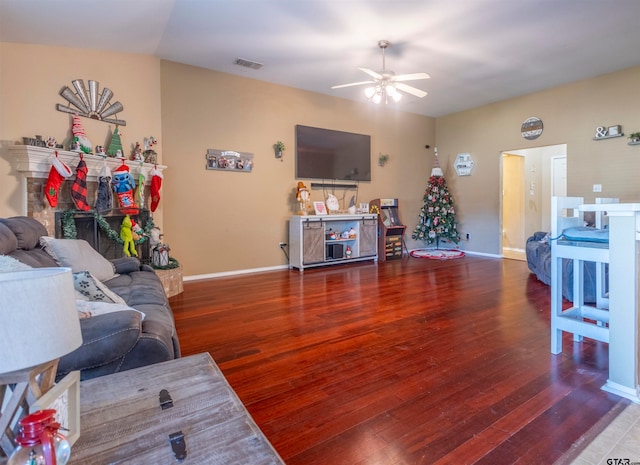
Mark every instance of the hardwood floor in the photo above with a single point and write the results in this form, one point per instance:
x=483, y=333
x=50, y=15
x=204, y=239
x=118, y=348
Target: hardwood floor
x=411, y=361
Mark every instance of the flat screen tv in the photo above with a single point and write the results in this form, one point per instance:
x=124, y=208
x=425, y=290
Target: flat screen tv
x=328, y=154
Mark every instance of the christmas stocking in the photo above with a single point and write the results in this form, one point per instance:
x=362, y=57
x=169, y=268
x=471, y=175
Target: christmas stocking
x=104, y=200
x=79, y=186
x=59, y=172
x=123, y=185
x=156, y=184
x=140, y=191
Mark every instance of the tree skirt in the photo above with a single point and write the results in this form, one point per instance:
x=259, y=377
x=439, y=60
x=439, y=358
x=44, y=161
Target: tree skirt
x=437, y=254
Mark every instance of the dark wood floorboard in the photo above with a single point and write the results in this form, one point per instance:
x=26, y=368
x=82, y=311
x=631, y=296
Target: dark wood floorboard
x=411, y=361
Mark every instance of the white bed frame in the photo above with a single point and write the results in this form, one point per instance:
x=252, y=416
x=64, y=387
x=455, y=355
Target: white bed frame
x=582, y=320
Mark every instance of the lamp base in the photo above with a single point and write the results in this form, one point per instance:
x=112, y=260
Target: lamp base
x=18, y=390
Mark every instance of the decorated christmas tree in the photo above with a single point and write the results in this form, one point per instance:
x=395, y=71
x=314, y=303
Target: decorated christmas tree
x=115, y=146
x=437, y=217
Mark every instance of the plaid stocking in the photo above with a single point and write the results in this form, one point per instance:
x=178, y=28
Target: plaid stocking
x=79, y=187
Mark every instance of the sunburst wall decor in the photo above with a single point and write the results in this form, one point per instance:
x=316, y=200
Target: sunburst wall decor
x=90, y=103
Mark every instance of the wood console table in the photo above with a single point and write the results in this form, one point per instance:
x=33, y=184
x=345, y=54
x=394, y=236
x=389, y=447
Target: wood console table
x=624, y=227
x=122, y=420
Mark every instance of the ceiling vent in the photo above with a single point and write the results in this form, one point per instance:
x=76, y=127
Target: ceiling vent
x=248, y=63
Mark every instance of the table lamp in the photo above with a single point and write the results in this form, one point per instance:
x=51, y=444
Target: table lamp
x=38, y=324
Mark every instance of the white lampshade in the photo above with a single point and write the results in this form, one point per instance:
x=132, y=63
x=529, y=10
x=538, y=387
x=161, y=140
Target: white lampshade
x=38, y=317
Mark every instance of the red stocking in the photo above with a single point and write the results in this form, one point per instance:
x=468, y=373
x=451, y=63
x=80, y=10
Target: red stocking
x=155, y=185
x=59, y=172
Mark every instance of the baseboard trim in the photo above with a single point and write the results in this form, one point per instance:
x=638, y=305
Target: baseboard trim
x=222, y=274
x=482, y=254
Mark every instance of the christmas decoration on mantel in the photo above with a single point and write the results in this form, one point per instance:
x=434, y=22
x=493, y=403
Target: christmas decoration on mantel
x=91, y=103
x=437, y=217
x=58, y=173
x=123, y=185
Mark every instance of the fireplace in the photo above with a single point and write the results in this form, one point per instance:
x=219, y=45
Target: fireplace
x=97, y=229
x=32, y=164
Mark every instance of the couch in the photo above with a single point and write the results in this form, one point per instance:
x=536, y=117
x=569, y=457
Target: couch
x=538, y=252
x=112, y=342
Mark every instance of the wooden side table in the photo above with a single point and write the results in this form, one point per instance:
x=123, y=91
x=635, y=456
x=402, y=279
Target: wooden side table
x=122, y=419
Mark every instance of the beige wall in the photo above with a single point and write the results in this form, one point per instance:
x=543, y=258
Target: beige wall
x=213, y=221
x=223, y=221
x=31, y=77
x=570, y=115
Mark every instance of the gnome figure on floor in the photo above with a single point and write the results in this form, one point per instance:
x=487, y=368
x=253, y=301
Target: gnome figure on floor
x=123, y=185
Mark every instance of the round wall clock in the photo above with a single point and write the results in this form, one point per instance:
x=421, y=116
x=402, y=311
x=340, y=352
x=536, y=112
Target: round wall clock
x=531, y=128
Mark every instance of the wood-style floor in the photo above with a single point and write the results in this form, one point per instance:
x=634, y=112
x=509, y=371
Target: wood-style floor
x=411, y=361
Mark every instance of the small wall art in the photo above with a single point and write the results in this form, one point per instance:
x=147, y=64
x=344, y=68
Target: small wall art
x=603, y=132
x=229, y=160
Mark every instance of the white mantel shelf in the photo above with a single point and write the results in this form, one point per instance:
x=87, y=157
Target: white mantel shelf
x=35, y=162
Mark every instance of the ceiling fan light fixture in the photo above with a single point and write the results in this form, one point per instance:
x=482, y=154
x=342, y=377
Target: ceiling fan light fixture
x=377, y=98
x=396, y=97
x=370, y=92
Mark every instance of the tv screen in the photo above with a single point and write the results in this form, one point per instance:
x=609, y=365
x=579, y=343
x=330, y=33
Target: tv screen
x=329, y=154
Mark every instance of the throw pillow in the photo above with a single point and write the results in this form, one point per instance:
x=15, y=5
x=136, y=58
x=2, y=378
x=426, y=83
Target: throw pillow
x=78, y=255
x=88, y=309
x=92, y=289
x=8, y=264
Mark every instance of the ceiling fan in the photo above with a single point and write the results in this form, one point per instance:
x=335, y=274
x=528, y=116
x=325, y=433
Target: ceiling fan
x=386, y=83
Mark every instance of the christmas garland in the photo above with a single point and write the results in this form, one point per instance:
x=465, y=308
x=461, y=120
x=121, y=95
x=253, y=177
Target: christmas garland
x=69, y=230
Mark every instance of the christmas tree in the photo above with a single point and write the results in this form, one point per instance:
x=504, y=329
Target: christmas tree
x=115, y=145
x=437, y=217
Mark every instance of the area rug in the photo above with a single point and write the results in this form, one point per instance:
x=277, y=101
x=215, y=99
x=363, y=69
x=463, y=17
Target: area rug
x=437, y=254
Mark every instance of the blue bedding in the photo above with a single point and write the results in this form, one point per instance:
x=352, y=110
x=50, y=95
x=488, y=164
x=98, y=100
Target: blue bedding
x=586, y=234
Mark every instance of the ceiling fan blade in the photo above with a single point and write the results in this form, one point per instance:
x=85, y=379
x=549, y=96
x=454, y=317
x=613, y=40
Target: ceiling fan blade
x=410, y=90
x=371, y=73
x=410, y=77
x=353, y=84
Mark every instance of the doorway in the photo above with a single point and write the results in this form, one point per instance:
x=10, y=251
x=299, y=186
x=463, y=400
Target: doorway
x=530, y=177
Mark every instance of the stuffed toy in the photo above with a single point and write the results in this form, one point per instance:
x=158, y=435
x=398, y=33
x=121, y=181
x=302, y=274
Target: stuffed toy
x=127, y=236
x=123, y=185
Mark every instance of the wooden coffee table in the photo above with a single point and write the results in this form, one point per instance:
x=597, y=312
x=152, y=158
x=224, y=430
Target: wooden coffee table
x=122, y=419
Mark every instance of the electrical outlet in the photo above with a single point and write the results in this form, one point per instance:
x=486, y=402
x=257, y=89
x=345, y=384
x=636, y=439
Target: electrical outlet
x=597, y=188
x=468, y=236
x=282, y=244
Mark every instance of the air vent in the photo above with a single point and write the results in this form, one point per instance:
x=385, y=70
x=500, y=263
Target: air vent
x=248, y=63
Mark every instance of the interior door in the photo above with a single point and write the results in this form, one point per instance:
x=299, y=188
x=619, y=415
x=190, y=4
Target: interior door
x=513, y=205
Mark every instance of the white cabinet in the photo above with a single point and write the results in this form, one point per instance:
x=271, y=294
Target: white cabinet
x=327, y=240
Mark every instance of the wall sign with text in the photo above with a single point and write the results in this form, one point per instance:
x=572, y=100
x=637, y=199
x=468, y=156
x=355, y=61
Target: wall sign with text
x=531, y=128
x=463, y=164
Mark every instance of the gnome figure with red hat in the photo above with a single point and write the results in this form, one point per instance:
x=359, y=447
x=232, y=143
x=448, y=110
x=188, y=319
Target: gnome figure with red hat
x=123, y=185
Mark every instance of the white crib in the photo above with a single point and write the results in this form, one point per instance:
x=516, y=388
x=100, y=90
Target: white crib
x=582, y=320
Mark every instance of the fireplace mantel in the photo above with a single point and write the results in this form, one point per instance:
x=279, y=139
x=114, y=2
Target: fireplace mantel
x=35, y=162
